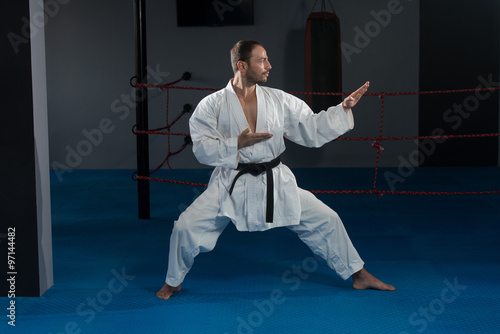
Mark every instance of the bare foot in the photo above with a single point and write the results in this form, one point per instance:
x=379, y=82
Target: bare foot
x=364, y=280
x=167, y=291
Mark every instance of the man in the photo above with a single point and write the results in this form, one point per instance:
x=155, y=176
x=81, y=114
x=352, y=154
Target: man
x=239, y=130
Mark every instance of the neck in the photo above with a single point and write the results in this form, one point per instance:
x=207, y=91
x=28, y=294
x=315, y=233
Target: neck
x=242, y=87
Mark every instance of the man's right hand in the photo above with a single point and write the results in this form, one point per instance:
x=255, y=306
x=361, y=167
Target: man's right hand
x=247, y=138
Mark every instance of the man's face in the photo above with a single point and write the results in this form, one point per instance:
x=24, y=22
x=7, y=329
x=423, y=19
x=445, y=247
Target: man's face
x=259, y=67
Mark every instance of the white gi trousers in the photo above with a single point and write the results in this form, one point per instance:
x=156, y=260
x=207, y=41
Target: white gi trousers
x=199, y=227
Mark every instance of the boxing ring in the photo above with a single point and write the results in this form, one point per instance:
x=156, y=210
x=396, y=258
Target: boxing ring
x=144, y=175
x=376, y=142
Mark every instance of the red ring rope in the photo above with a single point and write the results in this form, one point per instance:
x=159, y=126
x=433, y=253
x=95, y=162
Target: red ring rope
x=376, y=140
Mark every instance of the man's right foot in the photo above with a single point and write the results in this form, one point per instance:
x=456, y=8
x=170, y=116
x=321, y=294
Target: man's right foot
x=167, y=291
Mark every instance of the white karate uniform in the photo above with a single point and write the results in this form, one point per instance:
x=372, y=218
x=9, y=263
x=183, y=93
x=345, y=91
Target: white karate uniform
x=215, y=126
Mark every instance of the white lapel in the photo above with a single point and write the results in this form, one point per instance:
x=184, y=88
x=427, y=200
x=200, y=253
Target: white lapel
x=261, y=111
x=235, y=109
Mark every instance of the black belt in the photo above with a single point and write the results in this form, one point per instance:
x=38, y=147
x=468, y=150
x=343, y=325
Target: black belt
x=257, y=169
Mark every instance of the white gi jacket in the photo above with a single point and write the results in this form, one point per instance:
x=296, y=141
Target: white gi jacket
x=215, y=126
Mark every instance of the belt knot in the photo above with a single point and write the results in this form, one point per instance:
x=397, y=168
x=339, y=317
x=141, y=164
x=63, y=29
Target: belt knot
x=254, y=169
x=257, y=169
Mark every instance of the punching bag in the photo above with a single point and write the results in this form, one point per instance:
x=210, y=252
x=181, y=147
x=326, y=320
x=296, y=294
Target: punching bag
x=323, y=62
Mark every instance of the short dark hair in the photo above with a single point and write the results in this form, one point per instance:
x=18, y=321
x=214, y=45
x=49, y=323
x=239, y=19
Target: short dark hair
x=242, y=51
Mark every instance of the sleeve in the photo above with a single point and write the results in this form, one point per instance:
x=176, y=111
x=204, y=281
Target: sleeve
x=310, y=129
x=211, y=147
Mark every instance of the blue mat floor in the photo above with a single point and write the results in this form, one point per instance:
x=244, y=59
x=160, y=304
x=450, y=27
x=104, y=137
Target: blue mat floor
x=440, y=252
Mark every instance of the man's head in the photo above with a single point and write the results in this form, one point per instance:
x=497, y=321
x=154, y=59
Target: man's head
x=250, y=59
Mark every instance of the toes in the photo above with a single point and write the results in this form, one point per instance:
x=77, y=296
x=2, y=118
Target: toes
x=385, y=287
x=163, y=294
x=167, y=291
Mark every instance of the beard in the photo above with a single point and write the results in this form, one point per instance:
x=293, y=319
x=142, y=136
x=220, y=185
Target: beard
x=255, y=78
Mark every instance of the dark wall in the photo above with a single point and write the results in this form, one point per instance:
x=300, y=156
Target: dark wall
x=90, y=61
x=459, y=47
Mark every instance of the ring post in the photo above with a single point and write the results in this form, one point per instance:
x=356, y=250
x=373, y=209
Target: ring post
x=141, y=107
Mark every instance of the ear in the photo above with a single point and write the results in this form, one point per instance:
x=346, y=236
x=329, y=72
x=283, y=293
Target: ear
x=242, y=66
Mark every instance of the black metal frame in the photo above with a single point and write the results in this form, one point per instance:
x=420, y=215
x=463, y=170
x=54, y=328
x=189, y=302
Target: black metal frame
x=141, y=95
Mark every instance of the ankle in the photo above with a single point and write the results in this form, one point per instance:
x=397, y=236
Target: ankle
x=357, y=274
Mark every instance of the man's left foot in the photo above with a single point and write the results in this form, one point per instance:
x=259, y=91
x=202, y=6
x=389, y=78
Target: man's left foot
x=364, y=280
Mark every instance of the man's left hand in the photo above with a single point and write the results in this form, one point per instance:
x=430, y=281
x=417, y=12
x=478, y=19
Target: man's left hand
x=352, y=99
